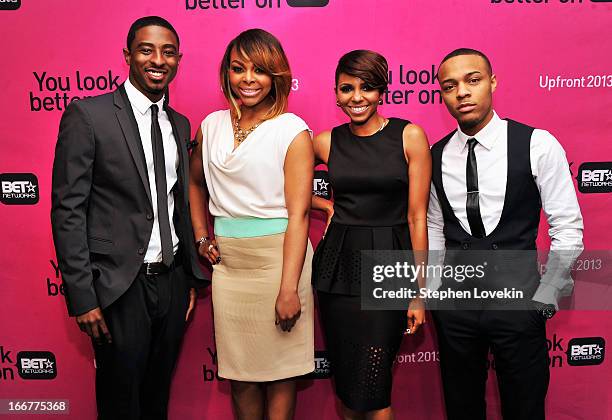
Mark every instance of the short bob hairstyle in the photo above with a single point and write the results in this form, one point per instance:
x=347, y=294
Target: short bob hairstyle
x=265, y=51
x=369, y=66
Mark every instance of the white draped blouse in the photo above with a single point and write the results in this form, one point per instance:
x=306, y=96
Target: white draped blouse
x=247, y=181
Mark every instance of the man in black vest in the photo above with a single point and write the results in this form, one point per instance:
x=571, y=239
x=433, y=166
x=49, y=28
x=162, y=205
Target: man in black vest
x=491, y=179
x=122, y=228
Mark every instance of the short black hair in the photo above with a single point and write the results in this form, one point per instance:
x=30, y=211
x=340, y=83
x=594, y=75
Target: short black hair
x=467, y=51
x=149, y=21
x=369, y=66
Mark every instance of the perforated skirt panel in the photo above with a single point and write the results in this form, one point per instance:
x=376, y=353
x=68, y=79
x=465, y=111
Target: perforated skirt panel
x=362, y=346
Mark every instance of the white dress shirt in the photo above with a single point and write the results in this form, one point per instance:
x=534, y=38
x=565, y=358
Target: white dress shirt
x=141, y=105
x=552, y=176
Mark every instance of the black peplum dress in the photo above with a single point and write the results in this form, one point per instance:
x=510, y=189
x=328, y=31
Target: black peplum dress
x=369, y=179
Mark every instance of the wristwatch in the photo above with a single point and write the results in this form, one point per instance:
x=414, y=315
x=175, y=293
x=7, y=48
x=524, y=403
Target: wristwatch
x=546, y=310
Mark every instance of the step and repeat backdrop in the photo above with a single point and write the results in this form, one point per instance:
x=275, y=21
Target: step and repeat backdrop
x=554, y=69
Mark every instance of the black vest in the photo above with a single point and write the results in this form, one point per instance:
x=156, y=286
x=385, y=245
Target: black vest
x=518, y=226
x=517, y=229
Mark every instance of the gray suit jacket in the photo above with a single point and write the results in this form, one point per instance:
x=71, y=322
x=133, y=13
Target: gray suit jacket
x=101, y=212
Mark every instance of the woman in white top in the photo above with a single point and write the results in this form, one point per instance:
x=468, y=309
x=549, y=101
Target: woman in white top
x=252, y=170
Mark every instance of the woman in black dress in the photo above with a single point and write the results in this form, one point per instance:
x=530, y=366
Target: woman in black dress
x=380, y=173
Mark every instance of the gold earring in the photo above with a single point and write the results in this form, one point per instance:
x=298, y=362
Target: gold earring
x=337, y=103
x=380, y=102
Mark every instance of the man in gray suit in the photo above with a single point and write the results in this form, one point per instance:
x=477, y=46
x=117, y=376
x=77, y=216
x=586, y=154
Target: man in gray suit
x=122, y=228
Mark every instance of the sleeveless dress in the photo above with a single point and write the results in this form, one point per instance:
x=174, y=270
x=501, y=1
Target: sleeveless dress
x=369, y=180
x=246, y=191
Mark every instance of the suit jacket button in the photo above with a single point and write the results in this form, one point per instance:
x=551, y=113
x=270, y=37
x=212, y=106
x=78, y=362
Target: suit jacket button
x=494, y=246
x=465, y=245
x=149, y=216
x=141, y=251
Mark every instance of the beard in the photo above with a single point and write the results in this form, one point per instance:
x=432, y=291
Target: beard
x=472, y=122
x=155, y=90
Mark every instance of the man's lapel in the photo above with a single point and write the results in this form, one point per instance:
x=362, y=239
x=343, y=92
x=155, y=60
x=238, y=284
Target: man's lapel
x=127, y=121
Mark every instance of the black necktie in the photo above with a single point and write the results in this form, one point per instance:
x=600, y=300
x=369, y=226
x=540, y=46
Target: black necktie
x=159, y=164
x=472, y=206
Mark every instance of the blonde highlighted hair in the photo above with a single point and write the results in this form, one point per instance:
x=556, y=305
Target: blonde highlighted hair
x=265, y=52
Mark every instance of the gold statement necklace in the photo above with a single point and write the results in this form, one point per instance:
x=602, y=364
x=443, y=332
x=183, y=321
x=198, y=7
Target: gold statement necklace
x=240, y=135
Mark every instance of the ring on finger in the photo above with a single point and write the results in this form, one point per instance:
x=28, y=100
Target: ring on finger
x=210, y=247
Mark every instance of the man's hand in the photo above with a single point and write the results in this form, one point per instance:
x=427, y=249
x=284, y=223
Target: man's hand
x=288, y=309
x=93, y=324
x=192, y=301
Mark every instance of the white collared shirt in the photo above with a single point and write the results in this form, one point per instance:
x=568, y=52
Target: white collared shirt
x=550, y=172
x=141, y=105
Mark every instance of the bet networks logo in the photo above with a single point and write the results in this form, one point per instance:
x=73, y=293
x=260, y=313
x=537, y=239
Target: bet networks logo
x=595, y=177
x=29, y=364
x=320, y=185
x=10, y=4
x=19, y=188
x=586, y=351
x=322, y=368
x=307, y=3
x=36, y=365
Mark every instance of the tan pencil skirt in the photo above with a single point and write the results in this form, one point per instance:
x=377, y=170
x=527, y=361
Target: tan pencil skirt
x=250, y=347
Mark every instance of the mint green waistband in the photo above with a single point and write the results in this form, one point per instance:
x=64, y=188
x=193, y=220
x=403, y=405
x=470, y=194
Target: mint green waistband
x=248, y=227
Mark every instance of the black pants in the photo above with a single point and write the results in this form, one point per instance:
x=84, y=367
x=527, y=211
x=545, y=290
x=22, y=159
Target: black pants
x=147, y=323
x=517, y=339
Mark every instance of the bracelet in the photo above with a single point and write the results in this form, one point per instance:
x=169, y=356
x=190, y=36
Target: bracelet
x=202, y=240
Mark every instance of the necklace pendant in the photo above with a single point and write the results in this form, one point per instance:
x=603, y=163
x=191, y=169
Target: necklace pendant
x=241, y=134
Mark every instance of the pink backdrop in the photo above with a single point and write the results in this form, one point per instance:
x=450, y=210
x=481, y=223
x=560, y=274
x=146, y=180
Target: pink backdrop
x=527, y=43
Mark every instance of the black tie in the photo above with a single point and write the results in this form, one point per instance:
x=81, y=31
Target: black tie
x=159, y=164
x=472, y=206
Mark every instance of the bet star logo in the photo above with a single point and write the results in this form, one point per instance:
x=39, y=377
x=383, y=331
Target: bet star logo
x=595, y=177
x=321, y=184
x=36, y=365
x=18, y=188
x=586, y=351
